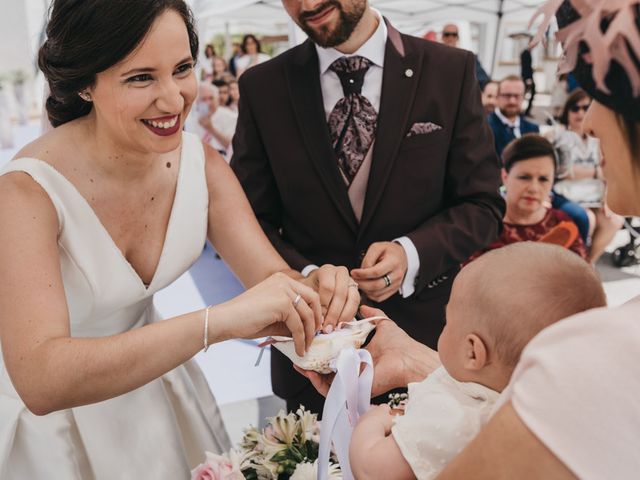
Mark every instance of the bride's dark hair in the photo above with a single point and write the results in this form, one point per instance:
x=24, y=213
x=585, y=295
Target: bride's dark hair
x=86, y=37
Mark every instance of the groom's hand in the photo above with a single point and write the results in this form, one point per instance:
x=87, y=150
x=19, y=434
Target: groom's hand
x=397, y=358
x=321, y=382
x=339, y=296
x=382, y=271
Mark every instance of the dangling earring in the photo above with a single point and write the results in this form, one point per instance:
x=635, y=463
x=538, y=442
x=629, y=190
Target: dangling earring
x=84, y=95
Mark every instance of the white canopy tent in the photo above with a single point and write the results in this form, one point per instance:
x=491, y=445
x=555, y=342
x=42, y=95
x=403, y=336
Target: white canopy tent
x=22, y=22
x=268, y=17
x=484, y=27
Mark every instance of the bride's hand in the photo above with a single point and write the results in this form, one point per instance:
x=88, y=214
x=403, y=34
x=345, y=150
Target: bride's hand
x=339, y=296
x=278, y=305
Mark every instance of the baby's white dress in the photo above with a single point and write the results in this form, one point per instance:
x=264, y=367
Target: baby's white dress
x=442, y=416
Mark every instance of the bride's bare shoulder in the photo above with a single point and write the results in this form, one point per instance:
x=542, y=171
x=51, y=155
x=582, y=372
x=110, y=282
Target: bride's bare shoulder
x=51, y=146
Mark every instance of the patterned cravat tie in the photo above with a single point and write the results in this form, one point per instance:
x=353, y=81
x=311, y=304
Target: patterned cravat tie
x=352, y=123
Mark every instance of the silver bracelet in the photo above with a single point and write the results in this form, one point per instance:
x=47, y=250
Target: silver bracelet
x=206, y=329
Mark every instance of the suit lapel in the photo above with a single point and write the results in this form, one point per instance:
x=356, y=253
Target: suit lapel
x=303, y=77
x=402, y=69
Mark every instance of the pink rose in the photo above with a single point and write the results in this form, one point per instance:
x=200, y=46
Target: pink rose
x=216, y=467
x=203, y=472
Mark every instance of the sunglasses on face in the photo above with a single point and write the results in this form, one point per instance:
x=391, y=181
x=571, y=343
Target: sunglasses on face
x=450, y=34
x=577, y=108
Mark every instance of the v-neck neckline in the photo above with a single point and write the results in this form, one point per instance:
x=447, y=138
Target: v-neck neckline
x=105, y=232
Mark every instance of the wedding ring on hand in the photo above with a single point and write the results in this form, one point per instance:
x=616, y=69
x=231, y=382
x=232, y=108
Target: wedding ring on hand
x=297, y=300
x=387, y=280
x=353, y=285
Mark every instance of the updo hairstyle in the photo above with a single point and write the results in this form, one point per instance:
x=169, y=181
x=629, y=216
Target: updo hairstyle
x=86, y=37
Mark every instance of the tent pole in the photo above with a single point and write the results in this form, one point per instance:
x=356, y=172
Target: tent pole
x=227, y=41
x=500, y=14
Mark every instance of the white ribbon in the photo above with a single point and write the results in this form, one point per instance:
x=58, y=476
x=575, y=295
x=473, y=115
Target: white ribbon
x=348, y=398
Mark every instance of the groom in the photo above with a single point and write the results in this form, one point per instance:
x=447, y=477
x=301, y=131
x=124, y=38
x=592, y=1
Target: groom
x=368, y=148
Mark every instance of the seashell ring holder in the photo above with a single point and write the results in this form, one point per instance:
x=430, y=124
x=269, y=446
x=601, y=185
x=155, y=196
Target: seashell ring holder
x=326, y=346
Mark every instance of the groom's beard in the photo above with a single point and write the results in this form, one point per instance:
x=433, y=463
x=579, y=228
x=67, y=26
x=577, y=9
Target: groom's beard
x=326, y=36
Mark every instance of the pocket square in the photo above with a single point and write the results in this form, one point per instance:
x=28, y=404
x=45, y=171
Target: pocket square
x=423, y=128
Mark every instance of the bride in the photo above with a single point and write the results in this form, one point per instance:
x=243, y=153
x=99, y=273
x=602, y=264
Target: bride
x=99, y=214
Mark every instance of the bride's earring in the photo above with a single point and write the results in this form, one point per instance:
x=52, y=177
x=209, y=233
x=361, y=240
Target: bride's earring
x=84, y=95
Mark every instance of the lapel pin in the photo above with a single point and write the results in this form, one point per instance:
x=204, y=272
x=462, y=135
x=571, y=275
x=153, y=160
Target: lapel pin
x=408, y=73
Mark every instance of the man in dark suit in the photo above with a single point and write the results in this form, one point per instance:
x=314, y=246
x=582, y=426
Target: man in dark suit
x=507, y=122
x=368, y=148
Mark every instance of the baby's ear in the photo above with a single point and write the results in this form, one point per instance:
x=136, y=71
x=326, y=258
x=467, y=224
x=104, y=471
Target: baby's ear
x=476, y=352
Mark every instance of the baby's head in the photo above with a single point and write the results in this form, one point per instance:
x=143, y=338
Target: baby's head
x=500, y=301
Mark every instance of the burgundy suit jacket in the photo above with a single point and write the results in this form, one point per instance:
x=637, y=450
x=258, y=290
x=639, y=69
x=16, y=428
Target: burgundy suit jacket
x=440, y=189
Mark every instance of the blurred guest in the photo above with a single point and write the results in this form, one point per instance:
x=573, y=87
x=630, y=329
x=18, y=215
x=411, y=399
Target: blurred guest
x=506, y=121
x=431, y=35
x=223, y=92
x=579, y=173
x=490, y=96
x=526, y=69
x=450, y=36
x=234, y=95
x=237, y=53
x=220, y=70
x=559, y=96
x=252, y=54
x=219, y=122
x=214, y=124
x=205, y=62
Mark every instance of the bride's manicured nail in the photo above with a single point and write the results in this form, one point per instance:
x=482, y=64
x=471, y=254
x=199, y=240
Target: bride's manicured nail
x=328, y=329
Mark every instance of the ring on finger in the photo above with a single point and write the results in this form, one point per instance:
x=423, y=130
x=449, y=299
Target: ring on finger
x=297, y=300
x=387, y=280
x=355, y=285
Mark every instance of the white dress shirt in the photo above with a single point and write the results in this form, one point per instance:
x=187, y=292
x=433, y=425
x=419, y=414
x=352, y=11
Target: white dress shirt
x=373, y=50
x=515, y=125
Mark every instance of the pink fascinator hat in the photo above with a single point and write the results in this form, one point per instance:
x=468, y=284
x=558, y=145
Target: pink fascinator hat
x=601, y=40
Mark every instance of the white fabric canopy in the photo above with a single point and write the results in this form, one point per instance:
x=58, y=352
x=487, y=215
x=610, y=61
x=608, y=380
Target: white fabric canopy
x=268, y=17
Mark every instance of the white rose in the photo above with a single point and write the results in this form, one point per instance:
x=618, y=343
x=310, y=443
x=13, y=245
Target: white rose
x=309, y=471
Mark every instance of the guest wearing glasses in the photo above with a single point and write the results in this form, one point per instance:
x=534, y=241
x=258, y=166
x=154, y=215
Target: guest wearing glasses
x=507, y=121
x=579, y=174
x=450, y=36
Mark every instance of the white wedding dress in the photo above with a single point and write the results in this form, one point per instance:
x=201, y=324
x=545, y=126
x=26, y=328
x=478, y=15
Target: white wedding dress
x=158, y=431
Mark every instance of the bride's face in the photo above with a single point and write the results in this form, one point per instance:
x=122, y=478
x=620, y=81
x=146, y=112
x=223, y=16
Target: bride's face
x=618, y=165
x=141, y=103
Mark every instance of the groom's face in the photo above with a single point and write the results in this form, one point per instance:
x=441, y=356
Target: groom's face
x=327, y=22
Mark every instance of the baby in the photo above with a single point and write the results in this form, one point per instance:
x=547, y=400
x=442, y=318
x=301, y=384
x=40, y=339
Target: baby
x=498, y=304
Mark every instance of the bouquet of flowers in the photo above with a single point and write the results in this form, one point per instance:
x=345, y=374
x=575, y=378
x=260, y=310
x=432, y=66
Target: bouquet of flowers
x=287, y=448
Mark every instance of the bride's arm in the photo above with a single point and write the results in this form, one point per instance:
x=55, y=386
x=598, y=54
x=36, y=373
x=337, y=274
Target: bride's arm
x=237, y=236
x=51, y=370
x=233, y=229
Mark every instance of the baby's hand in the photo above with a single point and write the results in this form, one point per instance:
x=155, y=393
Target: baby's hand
x=378, y=415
